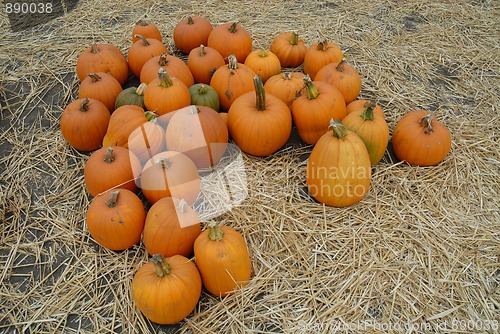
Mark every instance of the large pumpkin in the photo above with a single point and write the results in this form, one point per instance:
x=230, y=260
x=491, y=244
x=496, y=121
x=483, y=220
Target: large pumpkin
x=342, y=76
x=102, y=58
x=191, y=32
x=100, y=86
x=339, y=169
x=314, y=107
x=84, y=123
x=320, y=54
x=115, y=219
x=198, y=132
x=203, y=61
x=289, y=48
x=231, y=39
x=174, y=66
x=171, y=228
x=259, y=123
x=222, y=258
x=420, y=139
x=286, y=86
x=167, y=290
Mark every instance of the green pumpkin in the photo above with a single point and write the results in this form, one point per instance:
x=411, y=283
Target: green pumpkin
x=131, y=96
x=204, y=95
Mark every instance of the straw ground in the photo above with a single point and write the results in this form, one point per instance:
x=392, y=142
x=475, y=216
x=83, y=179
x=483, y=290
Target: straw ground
x=419, y=254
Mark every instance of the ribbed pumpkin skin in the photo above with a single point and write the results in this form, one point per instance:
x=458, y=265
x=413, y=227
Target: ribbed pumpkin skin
x=289, y=48
x=320, y=54
x=162, y=100
x=116, y=227
x=191, y=32
x=168, y=299
x=357, y=105
x=415, y=145
x=204, y=95
x=174, y=66
x=131, y=96
x=122, y=122
x=342, y=76
x=84, y=123
x=100, y=86
x=171, y=228
x=147, y=30
x=231, y=39
x=203, y=61
x=339, y=170
x=264, y=63
x=224, y=264
x=285, y=86
x=102, y=58
x=147, y=140
x=143, y=50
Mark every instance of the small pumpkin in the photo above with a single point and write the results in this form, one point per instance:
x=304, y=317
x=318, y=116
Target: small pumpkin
x=145, y=29
x=342, y=76
x=204, y=95
x=109, y=168
x=339, y=168
x=166, y=290
x=100, y=86
x=320, y=54
x=203, y=61
x=166, y=94
x=223, y=260
x=131, y=96
x=116, y=219
x=357, y=105
x=147, y=140
x=143, y=50
x=264, y=63
x=122, y=122
x=199, y=133
x=289, y=48
x=370, y=125
x=171, y=228
x=84, y=123
x=420, y=139
x=259, y=123
x=285, y=86
x=174, y=66
x=231, y=81
x=312, y=110
x=231, y=39
x=170, y=174
x=102, y=58
x=191, y=32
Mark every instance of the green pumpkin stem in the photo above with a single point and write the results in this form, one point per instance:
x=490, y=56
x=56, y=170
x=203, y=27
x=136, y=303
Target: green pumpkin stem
x=338, y=128
x=94, y=76
x=140, y=90
x=161, y=266
x=113, y=199
x=84, y=106
x=215, y=233
x=232, y=62
x=109, y=156
x=162, y=61
x=203, y=89
x=368, y=112
x=312, y=91
x=151, y=116
x=426, y=122
x=144, y=40
x=263, y=53
x=294, y=39
x=164, y=163
x=165, y=80
x=260, y=93
x=233, y=27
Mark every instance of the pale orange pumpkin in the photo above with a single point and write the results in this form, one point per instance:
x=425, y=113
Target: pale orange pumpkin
x=342, y=76
x=286, y=86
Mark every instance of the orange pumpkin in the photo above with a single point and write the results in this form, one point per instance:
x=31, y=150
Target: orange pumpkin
x=357, y=105
x=145, y=29
x=420, y=139
x=342, y=76
x=116, y=219
x=175, y=67
x=171, y=228
x=167, y=290
x=320, y=54
x=147, y=140
x=123, y=121
x=109, y=168
x=84, y=122
x=203, y=61
x=264, y=63
x=259, y=123
x=143, y=50
x=199, y=133
x=285, y=86
x=100, y=86
x=165, y=94
x=231, y=39
x=339, y=169
x=370, y=125
x=102, y=58
x=191, y=32
x=223, y=261
x=289, y=48
x=170, y=174
x=231, y=81
x=312, y=110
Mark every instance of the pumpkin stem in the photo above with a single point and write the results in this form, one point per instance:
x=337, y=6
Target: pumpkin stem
x=215, y=233
x=144, y=40
x=162, y=268
x=93, y=48
x=232, y=28
x=109, y=156
x=312, y=91
x=151, y=116
x=190, y=20
x=194, y=110
x=426, y=122
x=202, y=50
x=164, y=162
x=338, y=128
x=182, y=206
x=203, y=89
x=142, y=22
x=287, y=75
x=140, y=90
x=294, y=39
x=260, y=93
x=368, y=112
x=162, y=61
x=165, y=80
x=84, y=106
x=232, y=62
x=323, y=46
x=94, y=76
x=263, y=53
x=340, y=66
x=113, y=199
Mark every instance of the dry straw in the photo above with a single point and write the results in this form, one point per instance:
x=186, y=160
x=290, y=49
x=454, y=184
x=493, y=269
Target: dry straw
x=419, y=253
